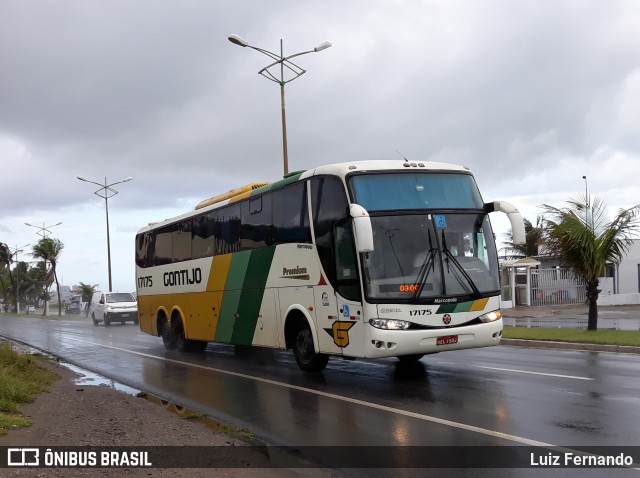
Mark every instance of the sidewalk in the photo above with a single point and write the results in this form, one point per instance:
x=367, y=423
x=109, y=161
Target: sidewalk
x=572, y=311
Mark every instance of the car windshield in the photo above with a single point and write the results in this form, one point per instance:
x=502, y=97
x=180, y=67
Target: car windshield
x=120, y=297
x=422, y=257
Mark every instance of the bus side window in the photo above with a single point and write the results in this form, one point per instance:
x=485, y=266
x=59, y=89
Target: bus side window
x=329, y=205
x=145, y=249
x=202, y=235
x=163, y=253
x=347, y=283
x=256, y=222
x=181, y=241
x=228, y=233
x=290, y=216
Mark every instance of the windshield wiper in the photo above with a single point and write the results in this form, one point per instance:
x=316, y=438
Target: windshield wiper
x=457, y=265
x=421, y=278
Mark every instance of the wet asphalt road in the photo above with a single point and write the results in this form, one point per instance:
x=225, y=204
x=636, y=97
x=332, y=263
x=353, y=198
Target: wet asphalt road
x=492, y=396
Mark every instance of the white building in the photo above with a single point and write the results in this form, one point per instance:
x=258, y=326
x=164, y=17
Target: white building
x=542, y=281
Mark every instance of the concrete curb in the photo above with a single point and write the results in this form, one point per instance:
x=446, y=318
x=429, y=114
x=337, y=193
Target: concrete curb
x=547, y=344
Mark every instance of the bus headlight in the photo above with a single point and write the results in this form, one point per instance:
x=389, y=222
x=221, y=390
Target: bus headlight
x=491, y=316
x=390, y=324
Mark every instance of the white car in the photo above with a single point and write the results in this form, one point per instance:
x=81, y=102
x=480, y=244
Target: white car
x=111, y=307
x=30, y=309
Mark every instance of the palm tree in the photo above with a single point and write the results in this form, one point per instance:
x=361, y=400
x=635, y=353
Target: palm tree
x=87, y=291
x=586, y=241
x=49, y=250
x=6, y=259
x=534, y=239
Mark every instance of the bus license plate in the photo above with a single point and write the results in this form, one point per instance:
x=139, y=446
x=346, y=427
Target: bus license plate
x=447, y=340
x=127, y=315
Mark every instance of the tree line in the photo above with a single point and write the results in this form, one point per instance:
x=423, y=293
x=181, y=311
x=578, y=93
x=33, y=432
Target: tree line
x=30, y=283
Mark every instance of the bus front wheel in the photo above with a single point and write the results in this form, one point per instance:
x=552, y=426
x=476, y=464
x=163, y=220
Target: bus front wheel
x=303, y=350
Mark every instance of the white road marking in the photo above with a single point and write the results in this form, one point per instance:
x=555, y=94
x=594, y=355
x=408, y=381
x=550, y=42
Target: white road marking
x=398, y=411
x=534, y=373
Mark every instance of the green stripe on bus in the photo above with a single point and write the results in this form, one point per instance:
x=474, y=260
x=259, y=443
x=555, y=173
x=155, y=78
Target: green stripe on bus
x=252, y=295
x=446, y=308
x=463, y=307
x=278, y=184
x=450, y=308
x=231, y=296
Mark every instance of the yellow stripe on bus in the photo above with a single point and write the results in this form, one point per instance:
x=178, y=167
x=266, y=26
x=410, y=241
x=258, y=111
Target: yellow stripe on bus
x=479, y=304
x=219, y=272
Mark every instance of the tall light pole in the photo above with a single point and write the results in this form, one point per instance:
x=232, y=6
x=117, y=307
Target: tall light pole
x=106, y=191
x=44, y=231
x=284, y=62
x=586, y=203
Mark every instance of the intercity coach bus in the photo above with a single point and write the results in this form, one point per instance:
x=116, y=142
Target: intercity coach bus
x=362, y=260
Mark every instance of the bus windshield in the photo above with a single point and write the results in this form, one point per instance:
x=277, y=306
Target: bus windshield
x=429, y=256
x=415, y=190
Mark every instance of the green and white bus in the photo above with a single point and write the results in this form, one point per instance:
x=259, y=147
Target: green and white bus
x=364, y=259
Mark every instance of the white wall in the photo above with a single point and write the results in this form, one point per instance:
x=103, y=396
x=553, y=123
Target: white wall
x=628, y=270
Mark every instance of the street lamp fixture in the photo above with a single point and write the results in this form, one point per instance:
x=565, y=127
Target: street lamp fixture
x=44, y=230
x=292, y=68
x=105, y=192
x=17, y=250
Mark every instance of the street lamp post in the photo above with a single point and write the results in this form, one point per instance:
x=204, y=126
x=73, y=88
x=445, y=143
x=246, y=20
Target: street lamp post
x=44, y=232
x=284, y=62
x=106, y=191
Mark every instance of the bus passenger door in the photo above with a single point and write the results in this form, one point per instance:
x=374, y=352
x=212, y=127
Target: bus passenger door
x=345, y=330
x=326, y=306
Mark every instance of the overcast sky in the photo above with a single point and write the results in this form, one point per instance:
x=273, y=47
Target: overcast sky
x=531, y=95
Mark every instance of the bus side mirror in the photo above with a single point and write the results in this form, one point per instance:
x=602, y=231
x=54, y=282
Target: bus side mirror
x=515, y=218
x=362, y=231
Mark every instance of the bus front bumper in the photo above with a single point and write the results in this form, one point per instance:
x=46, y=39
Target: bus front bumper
x=392, y=343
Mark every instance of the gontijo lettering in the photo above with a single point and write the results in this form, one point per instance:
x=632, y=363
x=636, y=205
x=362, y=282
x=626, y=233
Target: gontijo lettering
x=183, y=277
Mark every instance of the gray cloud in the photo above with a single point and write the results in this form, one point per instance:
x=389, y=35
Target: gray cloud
x=153, y=89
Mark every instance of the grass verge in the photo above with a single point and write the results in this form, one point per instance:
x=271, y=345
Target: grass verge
x=600, y=337
x=21, y=378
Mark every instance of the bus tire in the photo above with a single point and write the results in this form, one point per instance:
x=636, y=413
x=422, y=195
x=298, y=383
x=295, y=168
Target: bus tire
x=184, y=344
x=411, y=358
x=168, y=337
x=178, y=334
x=303, y=350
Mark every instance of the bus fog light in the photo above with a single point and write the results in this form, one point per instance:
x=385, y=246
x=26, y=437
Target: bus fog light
x=491, y=316
x=390, y=324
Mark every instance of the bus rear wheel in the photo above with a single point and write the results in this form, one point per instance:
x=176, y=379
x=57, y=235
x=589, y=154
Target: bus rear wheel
x=184, y=344
x=168, y=338
x=303, y=350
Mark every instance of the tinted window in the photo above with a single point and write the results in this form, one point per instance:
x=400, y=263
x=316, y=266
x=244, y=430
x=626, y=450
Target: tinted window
x=145, y=249
x=384, y=192
x=181, y=241
x=163, y=247
x=202, y=238
x=290, y=218
x=330, y=206
x=227, y=229
x=256, y=222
